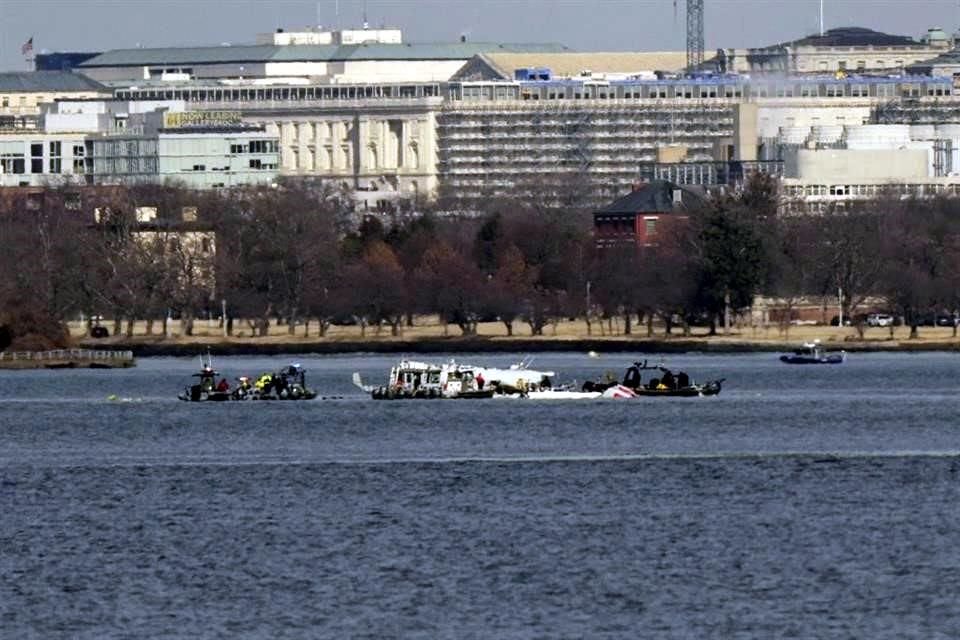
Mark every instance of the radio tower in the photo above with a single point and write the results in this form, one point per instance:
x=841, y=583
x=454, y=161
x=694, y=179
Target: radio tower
x=694, y=35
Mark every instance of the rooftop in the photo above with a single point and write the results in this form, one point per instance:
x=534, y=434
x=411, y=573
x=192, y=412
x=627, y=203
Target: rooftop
x=310, y=53
x=951, y=57
x=573, y=63
x=46, y=81
x=851, y=37
x=655, y=196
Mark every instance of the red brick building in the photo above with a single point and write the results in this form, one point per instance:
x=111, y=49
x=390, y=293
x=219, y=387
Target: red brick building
x=641, y=215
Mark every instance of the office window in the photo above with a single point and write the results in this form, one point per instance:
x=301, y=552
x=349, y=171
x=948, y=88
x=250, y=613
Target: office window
x=55, y=159
x=12, y=163
x=36, y=157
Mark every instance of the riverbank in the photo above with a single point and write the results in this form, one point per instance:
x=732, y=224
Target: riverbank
x=431, y=337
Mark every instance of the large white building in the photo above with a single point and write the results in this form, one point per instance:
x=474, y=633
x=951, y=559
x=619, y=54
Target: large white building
x=120, y=142
x=321, y=57
x=844, y=49
x=832, y=166
x=22, y=93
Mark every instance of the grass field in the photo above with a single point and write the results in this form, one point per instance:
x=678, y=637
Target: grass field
x=429, y=328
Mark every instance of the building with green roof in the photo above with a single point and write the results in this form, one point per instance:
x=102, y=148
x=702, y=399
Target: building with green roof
x=365, y=62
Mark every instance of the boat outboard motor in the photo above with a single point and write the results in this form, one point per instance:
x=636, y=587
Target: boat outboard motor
x=631, y=378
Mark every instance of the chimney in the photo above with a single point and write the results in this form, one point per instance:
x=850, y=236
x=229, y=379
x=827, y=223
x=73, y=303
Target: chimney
x=463, y=37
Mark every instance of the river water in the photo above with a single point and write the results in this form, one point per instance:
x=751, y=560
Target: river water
x=809, y=502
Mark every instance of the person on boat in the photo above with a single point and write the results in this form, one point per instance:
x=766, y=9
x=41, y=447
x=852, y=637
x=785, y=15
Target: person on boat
x=632, y=378
x=223, y=386
x=522, y=387
x=668, y=381
x=480, y=381
x=243, y=387
x=263, y=382
x=683, y=380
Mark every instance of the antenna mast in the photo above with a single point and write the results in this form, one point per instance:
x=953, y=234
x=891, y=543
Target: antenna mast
x=694, y=34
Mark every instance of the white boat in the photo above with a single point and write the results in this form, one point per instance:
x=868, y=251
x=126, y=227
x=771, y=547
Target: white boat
x=518, y=378
x=411, y=379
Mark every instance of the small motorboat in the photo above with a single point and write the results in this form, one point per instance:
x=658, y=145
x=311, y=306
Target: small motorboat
x=667, y=384
x=206, y=388
x=287, y=384
x=814, y=353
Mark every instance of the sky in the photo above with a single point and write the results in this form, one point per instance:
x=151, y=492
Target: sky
x=584, y=25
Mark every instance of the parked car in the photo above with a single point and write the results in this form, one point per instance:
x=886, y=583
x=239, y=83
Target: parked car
x=879, y=320
x=936, y=320
x=99, y=331
x=946, y=320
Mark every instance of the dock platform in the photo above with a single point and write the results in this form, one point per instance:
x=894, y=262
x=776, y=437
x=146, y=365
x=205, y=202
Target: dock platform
x=67, y=359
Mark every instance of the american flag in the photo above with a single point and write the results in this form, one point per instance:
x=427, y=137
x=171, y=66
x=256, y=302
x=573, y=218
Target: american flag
x=27, y=46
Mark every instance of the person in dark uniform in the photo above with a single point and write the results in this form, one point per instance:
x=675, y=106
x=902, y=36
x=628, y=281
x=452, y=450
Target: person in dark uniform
x=668, y=380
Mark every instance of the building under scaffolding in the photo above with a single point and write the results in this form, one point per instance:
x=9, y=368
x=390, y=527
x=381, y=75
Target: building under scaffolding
x=491, y=149
x=536, y=136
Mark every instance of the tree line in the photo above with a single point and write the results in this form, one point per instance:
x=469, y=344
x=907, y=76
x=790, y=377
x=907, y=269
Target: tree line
x=299, y=253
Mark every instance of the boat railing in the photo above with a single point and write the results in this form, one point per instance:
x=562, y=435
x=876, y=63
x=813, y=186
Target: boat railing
x=67, y=354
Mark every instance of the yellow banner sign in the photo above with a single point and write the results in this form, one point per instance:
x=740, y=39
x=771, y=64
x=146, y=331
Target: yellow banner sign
x=197, y=119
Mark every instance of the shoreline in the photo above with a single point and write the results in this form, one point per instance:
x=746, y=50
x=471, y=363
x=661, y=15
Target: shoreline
x=718, y=344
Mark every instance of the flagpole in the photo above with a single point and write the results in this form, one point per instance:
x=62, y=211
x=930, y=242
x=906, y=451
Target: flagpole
x=27, y=51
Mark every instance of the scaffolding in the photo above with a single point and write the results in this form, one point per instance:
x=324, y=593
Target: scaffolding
x=492, y=145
